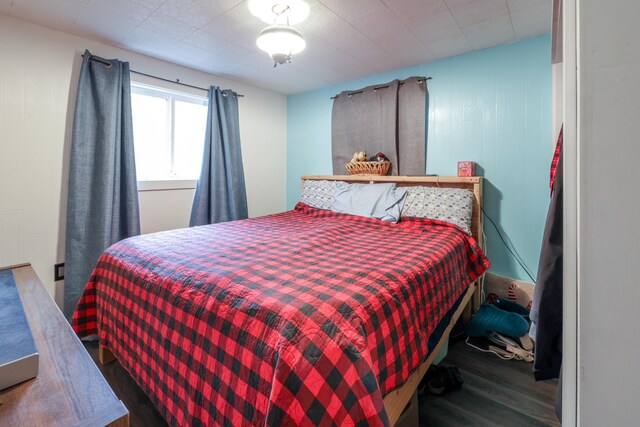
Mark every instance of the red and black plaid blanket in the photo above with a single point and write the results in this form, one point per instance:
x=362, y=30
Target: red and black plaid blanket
x=307, y=317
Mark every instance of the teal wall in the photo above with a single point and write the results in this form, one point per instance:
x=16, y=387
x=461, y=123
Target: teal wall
x=493, y=107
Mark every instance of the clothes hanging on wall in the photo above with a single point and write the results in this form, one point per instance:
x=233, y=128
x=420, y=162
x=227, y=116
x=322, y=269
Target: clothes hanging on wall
x=546, y=309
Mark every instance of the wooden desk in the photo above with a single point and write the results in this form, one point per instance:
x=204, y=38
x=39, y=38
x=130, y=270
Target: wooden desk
x=69, y=389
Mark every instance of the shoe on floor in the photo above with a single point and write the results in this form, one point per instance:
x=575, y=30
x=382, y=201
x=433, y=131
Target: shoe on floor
x=445, y=380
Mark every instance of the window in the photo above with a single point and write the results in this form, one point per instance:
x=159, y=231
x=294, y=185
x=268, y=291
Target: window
x=168, y=133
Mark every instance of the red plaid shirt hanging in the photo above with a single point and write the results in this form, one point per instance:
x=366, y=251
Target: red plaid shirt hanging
x=554, y=162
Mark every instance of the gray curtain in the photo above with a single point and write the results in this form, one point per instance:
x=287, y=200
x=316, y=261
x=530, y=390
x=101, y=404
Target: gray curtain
x=365, y=120
x=220, y=193
x=412, y=116
x=390, y=118
x=102, y=204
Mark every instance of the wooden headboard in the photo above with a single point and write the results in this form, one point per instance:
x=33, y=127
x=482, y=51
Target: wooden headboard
x=473, y=183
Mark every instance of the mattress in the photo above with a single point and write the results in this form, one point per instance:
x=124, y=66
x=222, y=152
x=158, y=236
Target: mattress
x=308, y=317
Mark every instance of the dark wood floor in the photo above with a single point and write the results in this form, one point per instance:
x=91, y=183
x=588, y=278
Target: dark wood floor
x=495, y=393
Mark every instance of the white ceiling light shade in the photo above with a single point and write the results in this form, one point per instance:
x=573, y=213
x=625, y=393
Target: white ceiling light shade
x=294, y=11
x=280, y=42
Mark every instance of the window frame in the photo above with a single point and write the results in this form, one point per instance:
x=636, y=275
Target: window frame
x=174, y=182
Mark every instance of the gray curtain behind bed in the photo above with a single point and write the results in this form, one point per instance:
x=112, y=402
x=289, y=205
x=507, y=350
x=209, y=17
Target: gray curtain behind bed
x=102, y=204
x=365, y=120
x=220, y=193
x=390, y=118
x=412, y=113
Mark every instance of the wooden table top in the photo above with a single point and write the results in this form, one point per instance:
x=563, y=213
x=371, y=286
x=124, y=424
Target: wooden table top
x=69, y=389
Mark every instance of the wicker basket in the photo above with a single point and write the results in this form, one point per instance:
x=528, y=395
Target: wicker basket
x=369, y=168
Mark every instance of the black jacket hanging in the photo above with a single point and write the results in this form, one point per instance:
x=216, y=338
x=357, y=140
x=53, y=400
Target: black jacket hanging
x=546, y=309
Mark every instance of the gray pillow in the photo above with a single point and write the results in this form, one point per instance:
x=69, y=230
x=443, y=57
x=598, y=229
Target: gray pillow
x=318, y=194
x=454, y=205
x=381, y=201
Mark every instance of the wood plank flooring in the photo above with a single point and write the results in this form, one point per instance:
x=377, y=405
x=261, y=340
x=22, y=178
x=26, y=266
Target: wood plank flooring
x=495, y=393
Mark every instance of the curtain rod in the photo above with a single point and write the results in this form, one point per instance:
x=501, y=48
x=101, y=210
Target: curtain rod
x=355, y=92
x=176, y=81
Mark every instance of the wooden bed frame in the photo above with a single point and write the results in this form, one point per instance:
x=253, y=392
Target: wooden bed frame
x=397, y=400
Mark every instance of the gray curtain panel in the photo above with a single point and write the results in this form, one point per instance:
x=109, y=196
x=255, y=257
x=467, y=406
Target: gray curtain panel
x=220, y=193
x=389, y=117
x=412, y=116
x=102, y=204
x=365, y=120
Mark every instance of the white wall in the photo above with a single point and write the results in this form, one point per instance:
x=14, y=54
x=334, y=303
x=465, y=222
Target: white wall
x=154, y=214
x=38, y=77
x=557, y=98
x=609, y=240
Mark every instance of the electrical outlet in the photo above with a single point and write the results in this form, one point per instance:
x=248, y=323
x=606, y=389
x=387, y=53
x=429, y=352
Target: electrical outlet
x=58, y=272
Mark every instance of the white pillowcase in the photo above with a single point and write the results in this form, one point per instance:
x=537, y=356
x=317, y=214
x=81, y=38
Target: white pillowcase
x=381, y=201
x=318, y=194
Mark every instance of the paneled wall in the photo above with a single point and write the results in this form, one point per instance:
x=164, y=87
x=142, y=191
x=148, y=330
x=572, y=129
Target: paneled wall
x=38, y=77
x=493, y=107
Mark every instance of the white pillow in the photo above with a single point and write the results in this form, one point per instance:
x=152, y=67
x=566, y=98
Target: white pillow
x=381, y=201
x=318, y=194
x=454, y=205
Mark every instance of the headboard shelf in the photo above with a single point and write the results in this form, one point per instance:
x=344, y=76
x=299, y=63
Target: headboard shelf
x=422, y=179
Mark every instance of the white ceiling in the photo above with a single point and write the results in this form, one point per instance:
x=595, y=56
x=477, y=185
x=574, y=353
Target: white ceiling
x=346, y=39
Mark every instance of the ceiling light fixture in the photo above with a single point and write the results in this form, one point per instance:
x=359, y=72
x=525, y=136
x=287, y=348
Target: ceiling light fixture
x=280, y=40
x=268, y=10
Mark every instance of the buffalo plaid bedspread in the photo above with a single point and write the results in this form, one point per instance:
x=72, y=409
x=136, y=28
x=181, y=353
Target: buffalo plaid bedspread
x=307, y=317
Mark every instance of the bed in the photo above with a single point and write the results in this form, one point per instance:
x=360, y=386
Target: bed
x=307, y=317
